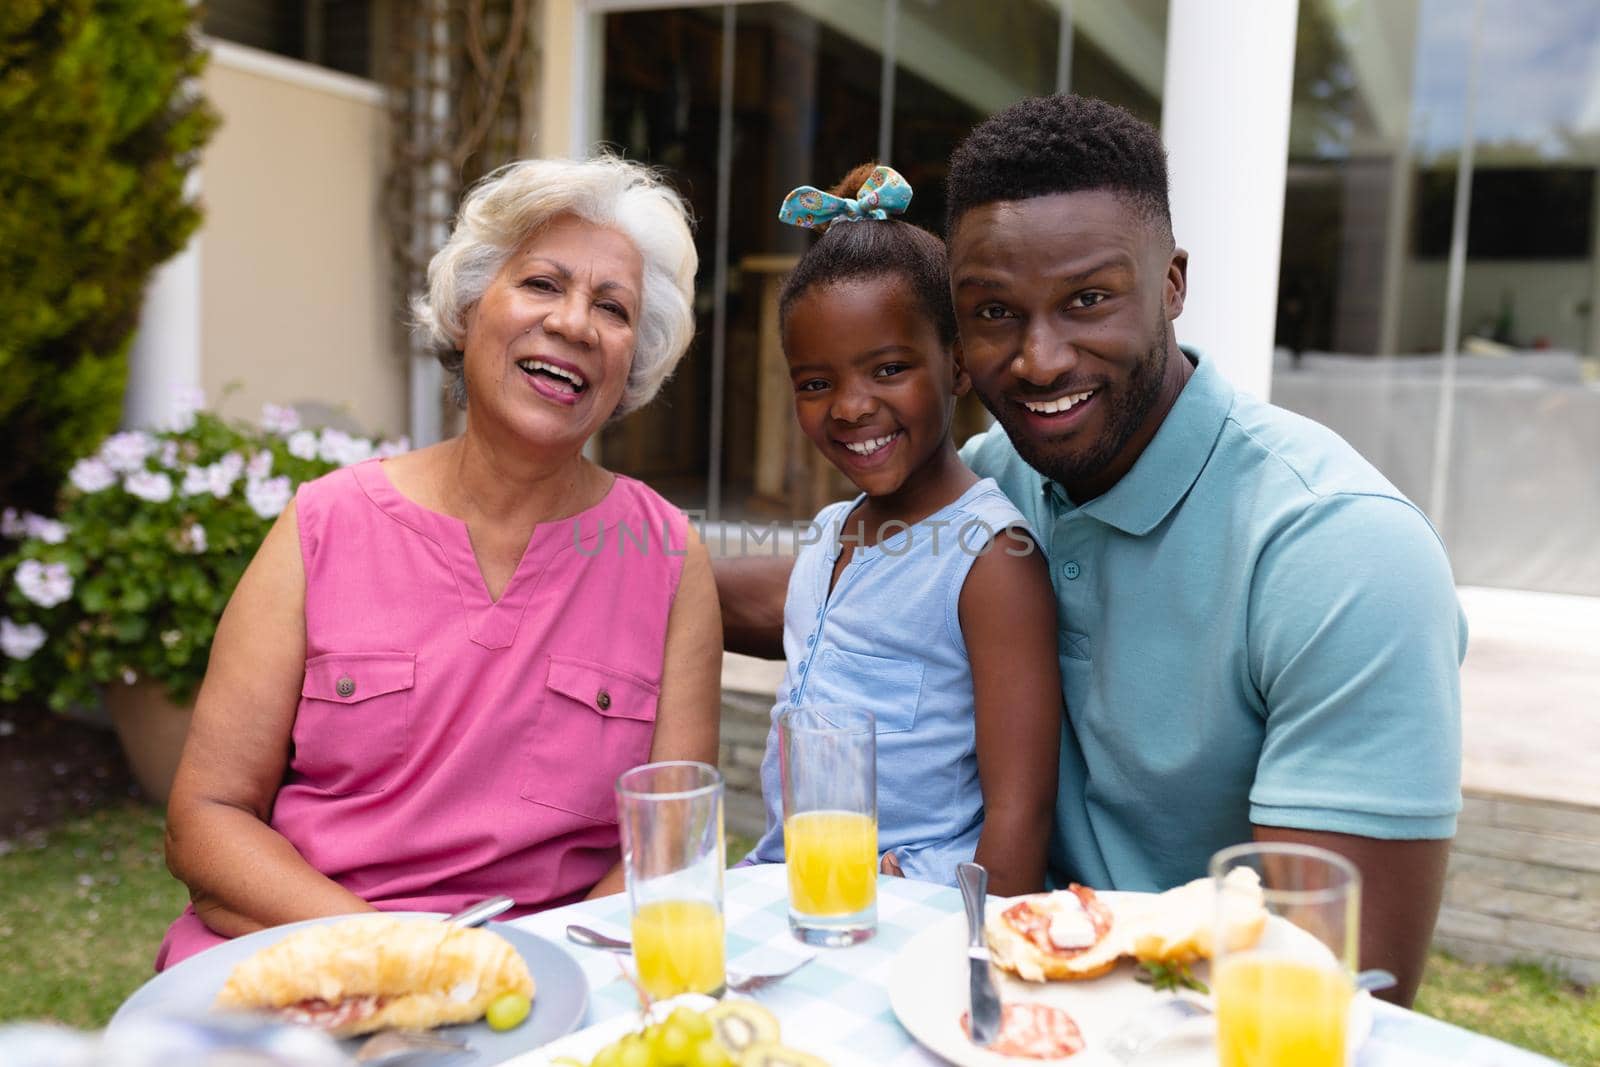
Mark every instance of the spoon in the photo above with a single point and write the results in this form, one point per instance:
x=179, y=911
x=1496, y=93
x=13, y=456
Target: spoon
x=481, y=912
x=595, y=939
x=735, y=981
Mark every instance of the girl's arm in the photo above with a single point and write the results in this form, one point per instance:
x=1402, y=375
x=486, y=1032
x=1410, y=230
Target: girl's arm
x=689, y=710
x=1008, y=619
x=241, y=873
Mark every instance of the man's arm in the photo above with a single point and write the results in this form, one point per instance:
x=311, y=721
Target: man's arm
x=750, y=590
x=1401, y=886
x=1355, y=647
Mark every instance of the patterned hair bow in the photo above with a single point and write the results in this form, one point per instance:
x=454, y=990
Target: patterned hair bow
x=883, y=194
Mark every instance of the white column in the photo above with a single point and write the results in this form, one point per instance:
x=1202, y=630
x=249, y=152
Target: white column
x=165, y=354
x=1225, y=121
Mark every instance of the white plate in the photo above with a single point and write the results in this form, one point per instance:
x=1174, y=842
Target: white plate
x=561, y=994
x=928, y=991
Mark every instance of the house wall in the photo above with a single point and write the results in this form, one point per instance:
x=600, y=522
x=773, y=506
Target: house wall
x=295, y=301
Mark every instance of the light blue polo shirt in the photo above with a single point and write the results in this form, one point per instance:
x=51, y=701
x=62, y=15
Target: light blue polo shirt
x=1254, y=627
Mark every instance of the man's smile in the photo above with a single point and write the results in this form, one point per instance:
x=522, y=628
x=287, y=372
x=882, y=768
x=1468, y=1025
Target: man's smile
x=1060, y=404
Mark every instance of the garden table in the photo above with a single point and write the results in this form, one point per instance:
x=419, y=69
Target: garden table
x=838, y=1006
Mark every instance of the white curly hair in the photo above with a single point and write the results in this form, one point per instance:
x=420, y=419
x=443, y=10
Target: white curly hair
x=508, y=206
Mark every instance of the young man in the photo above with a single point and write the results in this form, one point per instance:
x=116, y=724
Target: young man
x=1258, y=635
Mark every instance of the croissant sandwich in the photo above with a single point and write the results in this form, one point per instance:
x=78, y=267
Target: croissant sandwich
x=374, y=972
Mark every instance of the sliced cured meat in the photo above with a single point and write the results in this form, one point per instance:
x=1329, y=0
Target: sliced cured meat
x=1033, y=1031
x=330, y=1016
x=1032, y=921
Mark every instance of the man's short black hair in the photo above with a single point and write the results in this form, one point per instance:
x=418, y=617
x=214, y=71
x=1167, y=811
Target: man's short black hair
x=1059, y=144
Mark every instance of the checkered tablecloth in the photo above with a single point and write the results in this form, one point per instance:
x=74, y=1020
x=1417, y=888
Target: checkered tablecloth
x=841, y=1000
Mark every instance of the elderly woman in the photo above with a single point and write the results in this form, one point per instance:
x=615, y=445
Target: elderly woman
x=437, y=664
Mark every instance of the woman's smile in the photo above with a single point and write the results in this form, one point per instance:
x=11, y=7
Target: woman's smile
x=553, y=379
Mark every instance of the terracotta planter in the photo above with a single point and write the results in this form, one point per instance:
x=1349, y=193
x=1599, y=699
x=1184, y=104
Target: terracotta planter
x=151, y=729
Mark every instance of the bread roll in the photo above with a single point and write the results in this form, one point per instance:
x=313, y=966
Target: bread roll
x=1181, y=928
x=374, y=972
x=1026, y=937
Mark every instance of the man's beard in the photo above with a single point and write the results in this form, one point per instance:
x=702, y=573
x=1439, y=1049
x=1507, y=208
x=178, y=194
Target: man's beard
x=1125, y=413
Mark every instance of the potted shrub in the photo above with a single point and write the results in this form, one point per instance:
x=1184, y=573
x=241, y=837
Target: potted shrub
x=119, y=594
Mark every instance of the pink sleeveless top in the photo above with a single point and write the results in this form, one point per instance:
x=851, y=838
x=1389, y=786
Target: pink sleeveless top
x=448, y=747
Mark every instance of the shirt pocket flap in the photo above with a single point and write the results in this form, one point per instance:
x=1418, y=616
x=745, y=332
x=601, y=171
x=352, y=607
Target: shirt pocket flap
x=351, y=677
x=603, y=689
x=891, y=688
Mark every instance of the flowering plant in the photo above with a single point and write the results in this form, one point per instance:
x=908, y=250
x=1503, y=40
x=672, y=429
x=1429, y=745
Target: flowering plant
x=153, y=531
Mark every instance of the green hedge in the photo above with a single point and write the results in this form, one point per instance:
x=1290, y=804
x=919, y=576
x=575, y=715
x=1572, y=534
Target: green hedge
x=101, y=122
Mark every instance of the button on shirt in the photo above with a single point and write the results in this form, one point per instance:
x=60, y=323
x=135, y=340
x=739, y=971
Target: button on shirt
x=1254, y=627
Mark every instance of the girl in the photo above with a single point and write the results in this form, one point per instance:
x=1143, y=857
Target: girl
x=925, y=598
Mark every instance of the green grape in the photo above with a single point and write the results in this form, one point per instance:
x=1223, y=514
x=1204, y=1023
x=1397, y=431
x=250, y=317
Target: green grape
x=708, y=1053
x=672, y=1043
x=697, y=1026
x=610, y=1056
x=635, y=1052
x=507, y=1010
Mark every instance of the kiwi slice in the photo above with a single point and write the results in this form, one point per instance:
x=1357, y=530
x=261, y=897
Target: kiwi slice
x=742, y=1024
x=772, y=1054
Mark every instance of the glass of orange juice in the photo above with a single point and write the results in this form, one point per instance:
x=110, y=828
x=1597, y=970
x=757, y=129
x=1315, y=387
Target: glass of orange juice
x=827, y=763
x=1285, y=999
x=672, y=849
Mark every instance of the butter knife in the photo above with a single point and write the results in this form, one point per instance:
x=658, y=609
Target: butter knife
x=984, y=1012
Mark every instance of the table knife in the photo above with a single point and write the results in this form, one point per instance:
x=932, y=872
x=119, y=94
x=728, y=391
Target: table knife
x=984, y=1011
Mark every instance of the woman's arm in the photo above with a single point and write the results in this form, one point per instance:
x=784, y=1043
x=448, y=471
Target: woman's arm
x=689, y=710
x=1008, y=619
x=243, y=875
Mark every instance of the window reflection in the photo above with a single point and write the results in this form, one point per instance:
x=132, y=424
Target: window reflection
x=1378, y=137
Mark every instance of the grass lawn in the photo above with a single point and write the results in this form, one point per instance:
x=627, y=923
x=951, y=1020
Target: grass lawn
x=85, y=906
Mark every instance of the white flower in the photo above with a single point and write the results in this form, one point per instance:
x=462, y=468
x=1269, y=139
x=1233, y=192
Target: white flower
x=128, y=677
x=195, y=481
x=149, y=485
x=331, y=446
x=393, y=448
x=260, y=466
x=196, y=539
x=279, y=419
x=170, y=638
x=269, y=496
x=12, y=524
x=127, y=451
x=336, y=446
x=46, y=584
x=219, y=480
x=185, y=403
x=232, y=463
x=20, y=640
x=49, y=531
x=169, y=455
x=92, y=475
x=303, y=444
